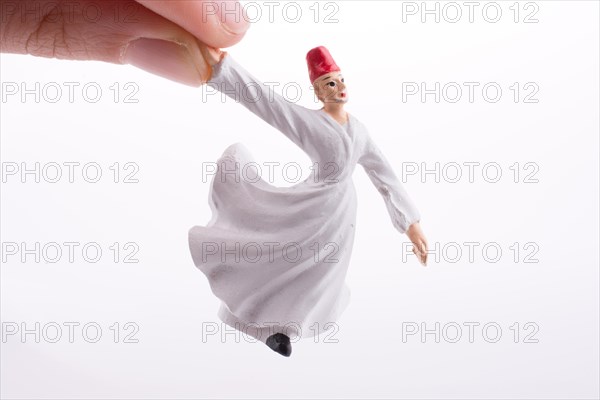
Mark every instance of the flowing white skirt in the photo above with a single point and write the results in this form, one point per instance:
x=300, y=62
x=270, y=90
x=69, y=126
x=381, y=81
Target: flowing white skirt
x=276, y=257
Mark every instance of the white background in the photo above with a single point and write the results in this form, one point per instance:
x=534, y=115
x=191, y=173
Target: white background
x=171, y=131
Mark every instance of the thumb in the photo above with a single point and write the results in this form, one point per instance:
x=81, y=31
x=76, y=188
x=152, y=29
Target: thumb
x=121, y=32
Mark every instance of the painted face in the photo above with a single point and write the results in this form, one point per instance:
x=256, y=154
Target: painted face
x=330, y=88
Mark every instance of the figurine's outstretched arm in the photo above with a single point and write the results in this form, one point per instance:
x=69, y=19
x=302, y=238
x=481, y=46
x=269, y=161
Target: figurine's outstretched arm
x=401, y=207
x=233, y=80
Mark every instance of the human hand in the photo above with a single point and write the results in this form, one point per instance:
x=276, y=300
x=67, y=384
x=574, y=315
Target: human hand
x=416, y=236
x=167, y=38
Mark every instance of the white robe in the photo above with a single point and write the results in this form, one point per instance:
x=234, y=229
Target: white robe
x=277, y=257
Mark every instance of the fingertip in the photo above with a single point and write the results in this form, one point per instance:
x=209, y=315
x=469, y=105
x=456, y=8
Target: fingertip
x=233, y=19
x=217, y=23
x=230, y=27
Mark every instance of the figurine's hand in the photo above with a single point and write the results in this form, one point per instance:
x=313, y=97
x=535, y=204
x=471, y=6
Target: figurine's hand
x=416, y=236
x=163, y=37
x=212, y=55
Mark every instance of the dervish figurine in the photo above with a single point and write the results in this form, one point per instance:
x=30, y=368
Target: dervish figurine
x=277, y=257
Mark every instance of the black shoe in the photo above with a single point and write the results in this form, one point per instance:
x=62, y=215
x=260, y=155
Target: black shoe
x=280, y=343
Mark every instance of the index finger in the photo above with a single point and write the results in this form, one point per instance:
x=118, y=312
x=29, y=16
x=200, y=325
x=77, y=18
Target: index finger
x=216, y=23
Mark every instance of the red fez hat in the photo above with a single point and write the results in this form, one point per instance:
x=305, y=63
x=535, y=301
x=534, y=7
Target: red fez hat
x=320, y=63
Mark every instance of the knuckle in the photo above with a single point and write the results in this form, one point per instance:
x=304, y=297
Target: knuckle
x=47, y=38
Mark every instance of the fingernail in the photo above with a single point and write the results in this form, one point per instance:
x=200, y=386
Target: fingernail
x=232, y=17
x=164, y=58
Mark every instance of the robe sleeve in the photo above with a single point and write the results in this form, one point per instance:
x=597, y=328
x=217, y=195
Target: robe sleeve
x=231, y=79
x=401, y=207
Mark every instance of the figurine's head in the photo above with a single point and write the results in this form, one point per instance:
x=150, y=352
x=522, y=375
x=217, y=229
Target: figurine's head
x=326, y=76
